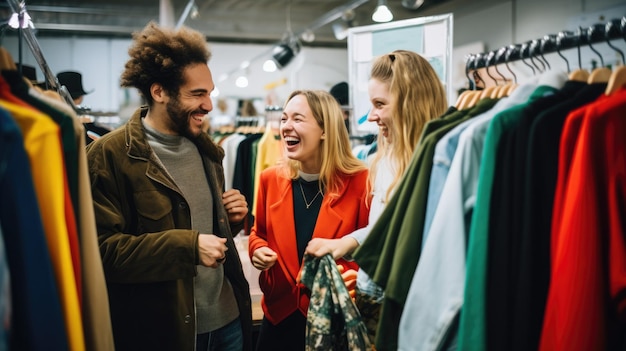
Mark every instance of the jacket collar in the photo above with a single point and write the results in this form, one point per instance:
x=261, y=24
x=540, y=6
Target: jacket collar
x=137, y=144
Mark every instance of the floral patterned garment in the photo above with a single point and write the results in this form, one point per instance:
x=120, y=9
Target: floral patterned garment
x=333, y=321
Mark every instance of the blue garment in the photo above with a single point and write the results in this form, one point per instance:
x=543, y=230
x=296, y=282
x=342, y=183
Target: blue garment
x=5, y=296
x=226, y=338
x=37, y=322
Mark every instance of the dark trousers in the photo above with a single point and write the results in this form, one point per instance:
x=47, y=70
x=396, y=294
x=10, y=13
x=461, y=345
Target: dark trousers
x=288, y=335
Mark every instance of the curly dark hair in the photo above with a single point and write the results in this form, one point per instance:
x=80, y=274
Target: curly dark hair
x=159, y=55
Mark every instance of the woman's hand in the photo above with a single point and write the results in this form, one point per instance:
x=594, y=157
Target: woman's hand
x=264, y=258
x=349, y=278
x=338, y=248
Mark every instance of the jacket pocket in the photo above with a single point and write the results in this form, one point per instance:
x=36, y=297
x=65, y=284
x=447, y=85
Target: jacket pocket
x=266, y=281
x=154, y=211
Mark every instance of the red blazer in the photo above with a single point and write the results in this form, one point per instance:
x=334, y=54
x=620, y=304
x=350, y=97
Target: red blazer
x=274, y=227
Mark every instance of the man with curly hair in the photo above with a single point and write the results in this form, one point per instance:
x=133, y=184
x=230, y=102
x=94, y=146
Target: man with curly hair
x=165, y=222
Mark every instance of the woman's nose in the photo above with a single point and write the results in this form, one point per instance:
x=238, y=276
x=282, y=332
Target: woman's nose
x=372, y=116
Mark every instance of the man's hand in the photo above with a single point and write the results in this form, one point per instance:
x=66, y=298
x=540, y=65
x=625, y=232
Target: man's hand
x=212, y=250
x=264, y=258
x=235, y=204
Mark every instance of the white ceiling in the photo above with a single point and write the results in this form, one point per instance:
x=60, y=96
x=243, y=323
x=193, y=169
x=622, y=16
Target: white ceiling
x=251, y=21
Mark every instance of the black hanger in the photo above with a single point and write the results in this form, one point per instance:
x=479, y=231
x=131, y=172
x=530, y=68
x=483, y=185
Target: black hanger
x=509, y=51
x=499, y=58
x=523, y=50
x=488, y=61
x=560, y=39
x=595, y=33
x=578, y=37
x=535, y=48
x=548, y=42
x=479, y=62
x=469, y=61
x=612, y=30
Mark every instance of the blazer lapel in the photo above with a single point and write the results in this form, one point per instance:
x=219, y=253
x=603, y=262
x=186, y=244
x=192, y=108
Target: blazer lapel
x=285, y=230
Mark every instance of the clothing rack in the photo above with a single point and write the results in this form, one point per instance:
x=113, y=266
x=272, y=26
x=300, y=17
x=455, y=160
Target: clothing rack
x=27, y=33
x=551, y=43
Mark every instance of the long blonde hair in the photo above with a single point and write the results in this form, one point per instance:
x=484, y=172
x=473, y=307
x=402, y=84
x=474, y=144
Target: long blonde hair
x=420, y=97
x=337, y=156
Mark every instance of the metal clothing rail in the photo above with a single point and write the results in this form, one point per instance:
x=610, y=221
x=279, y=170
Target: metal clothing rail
x=551, y=43
x=27, y=33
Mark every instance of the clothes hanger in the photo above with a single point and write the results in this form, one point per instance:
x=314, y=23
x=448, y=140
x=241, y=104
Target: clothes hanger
x=616, y=81
x=580, y=75
x=612, y=30
x=463, y=96
x=502, y=88
x=488, y=91
x=527, y=50
x=510, y=50
x=618, y=77
x=537, y=47
x=471, y=98
x=600, y=74
x=501, y=58
x=557, y=48
x=518, y=48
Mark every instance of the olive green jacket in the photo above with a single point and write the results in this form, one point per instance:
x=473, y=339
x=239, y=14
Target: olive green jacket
x=148, y=250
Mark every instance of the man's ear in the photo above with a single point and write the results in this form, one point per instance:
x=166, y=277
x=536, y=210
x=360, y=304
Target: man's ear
x=157, y=92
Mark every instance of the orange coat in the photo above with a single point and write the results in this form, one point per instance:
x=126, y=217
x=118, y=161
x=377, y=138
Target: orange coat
x=275, y=227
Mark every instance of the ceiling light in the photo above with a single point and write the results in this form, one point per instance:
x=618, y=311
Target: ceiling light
x=308, y=36
x=241, y=82
x=382, y=13
x=412, y=4
x=269, y=66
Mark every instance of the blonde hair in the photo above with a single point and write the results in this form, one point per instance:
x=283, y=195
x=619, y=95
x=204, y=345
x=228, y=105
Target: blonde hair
x=337, y=156
x=420, y=97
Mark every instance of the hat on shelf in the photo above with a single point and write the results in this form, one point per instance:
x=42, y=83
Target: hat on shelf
x=341, y=93
x=73, y=81
x=30, y=73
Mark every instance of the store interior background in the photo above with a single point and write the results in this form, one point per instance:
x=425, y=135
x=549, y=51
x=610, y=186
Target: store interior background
x=246, y=31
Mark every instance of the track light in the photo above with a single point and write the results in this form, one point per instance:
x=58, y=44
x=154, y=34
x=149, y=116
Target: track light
x=412, y=4
x=340, y=28
x=382, y=13
x=308, y=36
x=194, y=12
x=20, y=22
x=285, y=52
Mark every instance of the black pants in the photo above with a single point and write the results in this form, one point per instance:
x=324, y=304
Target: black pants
x=288, y=335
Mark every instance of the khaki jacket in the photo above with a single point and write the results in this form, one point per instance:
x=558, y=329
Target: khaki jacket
x=148, y=250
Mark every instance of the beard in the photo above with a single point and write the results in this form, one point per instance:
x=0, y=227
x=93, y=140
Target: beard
x=179, y=117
